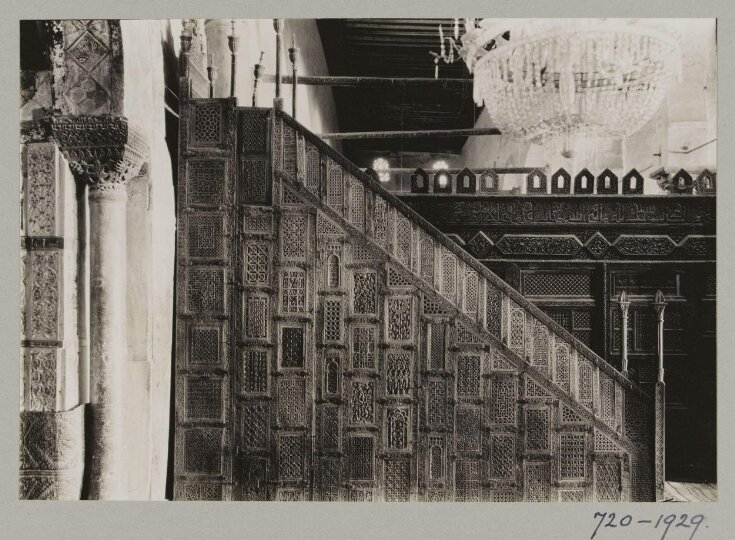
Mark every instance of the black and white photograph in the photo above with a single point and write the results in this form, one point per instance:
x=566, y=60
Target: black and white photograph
x=370, y=260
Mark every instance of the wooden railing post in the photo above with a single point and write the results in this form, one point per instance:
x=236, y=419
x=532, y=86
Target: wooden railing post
x=233, y=41
x=659, y=305
x=624, y=308
x=278, y=27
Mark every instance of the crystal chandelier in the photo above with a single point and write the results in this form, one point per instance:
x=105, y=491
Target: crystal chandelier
x=543, y=78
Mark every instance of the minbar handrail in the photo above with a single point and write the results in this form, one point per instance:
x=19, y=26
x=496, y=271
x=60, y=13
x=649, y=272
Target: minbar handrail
x=369, y=183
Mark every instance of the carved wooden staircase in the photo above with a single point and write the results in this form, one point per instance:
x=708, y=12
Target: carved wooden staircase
x=468, y=391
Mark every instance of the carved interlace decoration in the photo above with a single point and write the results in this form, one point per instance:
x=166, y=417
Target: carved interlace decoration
x=103, y=151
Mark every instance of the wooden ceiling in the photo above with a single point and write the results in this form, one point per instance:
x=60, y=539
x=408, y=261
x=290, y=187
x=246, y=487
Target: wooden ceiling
x=395, y=48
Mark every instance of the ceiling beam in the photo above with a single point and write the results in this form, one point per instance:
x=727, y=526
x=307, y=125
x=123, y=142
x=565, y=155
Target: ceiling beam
x=372, y=81
x=410, y=134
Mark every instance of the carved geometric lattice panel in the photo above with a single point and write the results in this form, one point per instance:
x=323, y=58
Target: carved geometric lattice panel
x=503, y=399
x=204, y=346
x=289, y=151
x=571, y=495
x=436, y=397
x=537, y=485
x=203, y=398
x=436, y=458
x=449, y=274
x=330, y=428
x=206, y=238
x=293, y=236
x=206, y=182
x=380, y=223
x=568, y=416
x=585, y=374
x=292, y=347
x=399, y=319
x=607, y=481
x=202, y=450
x=467, y=481
x=494, y=317
x=517, y=327
x=207, y=125
x=430, y=307
x=256, y=318
x=465, y=336
x=607, y=398
x=254, y=181
x=257, y=220
x=200, y=492
x=361, y=457
x=436, y=346
x=403, y=240
x=313, y=169
x=253, y=128
x=557, y=284
x=502, y=495
x=363, y=347
x=357, y=203
x=330, y=479
x=604, y=444
x=427, y=258
x=254, y=427
x=255, y=476
x=335, y=187
x=396, y=280
x=333, y=270
x=397, y=373
x=291, y=402
x=324, y=227
x=361, y=253
x=397, y=428
x=362, y=407
x=502, y=456
x=291, y=457
x=397, y=480
x=537, y=429
x=293, y=291
x=540, y=346
x=571, y=456
x=332, y=375
x=534, y=390
x=562, y=366
x=205, y=290
x=468, y=376
x=365, y=292
x=471, y=291
x=256, y=263
x=361, y=495
x=467, y=426
x=333, y=320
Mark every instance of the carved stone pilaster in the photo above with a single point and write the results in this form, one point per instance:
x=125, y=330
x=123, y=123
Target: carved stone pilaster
x=104, y=152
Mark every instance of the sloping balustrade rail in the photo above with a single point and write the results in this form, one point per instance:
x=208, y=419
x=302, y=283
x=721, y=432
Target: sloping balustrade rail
x=484, y=304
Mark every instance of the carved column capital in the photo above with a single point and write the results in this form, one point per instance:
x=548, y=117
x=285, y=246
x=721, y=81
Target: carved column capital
x=103, y=151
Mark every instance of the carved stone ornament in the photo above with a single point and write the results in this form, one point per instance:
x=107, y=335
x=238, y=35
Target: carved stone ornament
x=103, y=151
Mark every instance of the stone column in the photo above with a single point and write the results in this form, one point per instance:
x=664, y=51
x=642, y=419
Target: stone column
x=104, y=153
